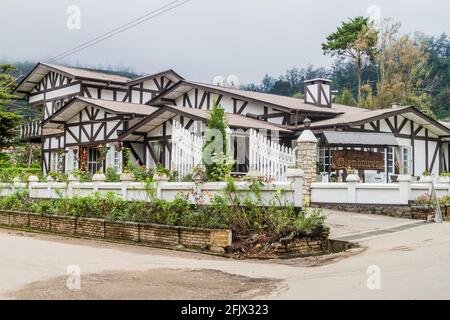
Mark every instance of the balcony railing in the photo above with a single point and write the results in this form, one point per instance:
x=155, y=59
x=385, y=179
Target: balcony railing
x=30, y=130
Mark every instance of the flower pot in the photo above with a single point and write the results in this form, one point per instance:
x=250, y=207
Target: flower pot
x=99, y=177
x=426, y=179
x=444, y=179
x=160, y=177
x=353, y=178
x=126, y=176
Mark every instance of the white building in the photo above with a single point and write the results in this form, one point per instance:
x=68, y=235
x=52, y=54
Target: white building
x=84, y=109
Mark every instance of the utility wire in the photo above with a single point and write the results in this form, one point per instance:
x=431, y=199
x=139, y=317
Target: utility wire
x=148, y=16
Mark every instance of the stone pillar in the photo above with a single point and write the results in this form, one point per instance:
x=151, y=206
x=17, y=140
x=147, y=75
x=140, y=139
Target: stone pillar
x=307, y=161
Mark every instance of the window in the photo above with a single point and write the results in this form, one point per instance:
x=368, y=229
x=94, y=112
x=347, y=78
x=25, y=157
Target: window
x=55, y=162
x=406, y=159
x=389, y=160
x=73, y=159
x=324, y=159
x=93, y=160
x=117, y=161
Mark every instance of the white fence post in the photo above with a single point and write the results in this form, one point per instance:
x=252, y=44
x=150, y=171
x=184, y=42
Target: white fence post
x=71, y=180
x=352, y=182
x=125, y=179
x=50, y=182
x=296, y=176
x=404, y=182
x=98, y=178
x=32, y=180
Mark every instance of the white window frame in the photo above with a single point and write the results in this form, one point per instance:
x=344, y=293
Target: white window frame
x=54, y=161
x=117, y=161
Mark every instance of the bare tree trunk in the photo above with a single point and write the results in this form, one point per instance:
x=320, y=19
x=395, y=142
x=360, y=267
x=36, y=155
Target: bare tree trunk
x=359, y=70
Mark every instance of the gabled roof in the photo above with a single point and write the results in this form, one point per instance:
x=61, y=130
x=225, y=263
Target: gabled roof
x=172, y=75
x=42, y=69
x=283, y=103
x=167, y=112
x=79, y=103
x=356, y=117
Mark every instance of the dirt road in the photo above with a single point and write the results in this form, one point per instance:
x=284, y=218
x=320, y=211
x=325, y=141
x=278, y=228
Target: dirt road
x=411, y=264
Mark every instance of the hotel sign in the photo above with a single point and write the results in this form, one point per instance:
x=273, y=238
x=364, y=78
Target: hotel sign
x=361, y=160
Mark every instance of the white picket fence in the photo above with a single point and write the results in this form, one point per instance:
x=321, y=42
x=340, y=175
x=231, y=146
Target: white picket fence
x=186, y=150
x=268, y=157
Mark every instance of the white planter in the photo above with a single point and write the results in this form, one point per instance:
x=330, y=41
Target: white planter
x=444, y=179
x=160, y=177
x=353, y=178
x=127, y=176
x=100, y=177
x=404, y=178
x=294, y=172
x=426, y=179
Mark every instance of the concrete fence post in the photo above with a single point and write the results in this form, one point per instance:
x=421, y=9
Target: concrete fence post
x=125, y=179
x=306, y=159
x=50, y=182
x=71, y=181
x=15, y=186
x=98, y=178
x=296, y=178
x=159, y=181
x=404, y=182
x=32, y=180
x=352, y=182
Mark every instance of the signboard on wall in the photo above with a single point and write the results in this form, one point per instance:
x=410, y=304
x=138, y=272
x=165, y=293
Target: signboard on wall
x=361, y=160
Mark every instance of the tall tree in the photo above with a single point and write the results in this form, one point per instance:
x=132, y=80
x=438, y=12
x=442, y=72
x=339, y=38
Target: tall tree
x=404, y=75
x=8, y=120
x=355, y=39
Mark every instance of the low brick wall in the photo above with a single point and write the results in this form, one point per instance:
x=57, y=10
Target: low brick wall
x=304, y=246
x=214, y=240
x=398, y=211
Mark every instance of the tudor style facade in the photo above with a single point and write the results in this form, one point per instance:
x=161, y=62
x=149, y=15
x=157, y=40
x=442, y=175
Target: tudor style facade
x=83, y=110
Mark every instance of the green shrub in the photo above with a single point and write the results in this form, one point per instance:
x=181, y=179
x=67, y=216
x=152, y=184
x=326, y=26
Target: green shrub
x=112, y=175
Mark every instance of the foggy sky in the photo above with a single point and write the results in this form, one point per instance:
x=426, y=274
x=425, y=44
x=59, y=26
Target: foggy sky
x=202, y=38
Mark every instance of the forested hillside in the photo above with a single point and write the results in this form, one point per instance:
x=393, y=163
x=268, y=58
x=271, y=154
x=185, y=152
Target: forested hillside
x=407, y=69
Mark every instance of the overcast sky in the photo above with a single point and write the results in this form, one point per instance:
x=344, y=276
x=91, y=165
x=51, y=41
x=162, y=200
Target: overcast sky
x=202, y=38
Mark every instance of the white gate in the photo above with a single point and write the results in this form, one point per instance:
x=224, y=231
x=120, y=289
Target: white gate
x=186, y=150
x=268, y=157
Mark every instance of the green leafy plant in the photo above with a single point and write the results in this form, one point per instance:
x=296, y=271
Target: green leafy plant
x=426, y=173
x=112, y=175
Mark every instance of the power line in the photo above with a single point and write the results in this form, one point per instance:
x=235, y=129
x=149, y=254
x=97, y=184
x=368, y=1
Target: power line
x=148, y=16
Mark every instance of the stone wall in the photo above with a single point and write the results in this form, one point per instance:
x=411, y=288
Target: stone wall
x=214, y=240
x=304, y=246
x=398, y=211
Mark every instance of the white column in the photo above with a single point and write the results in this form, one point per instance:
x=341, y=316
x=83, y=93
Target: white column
x=32, y=180
x=352, y=182
x=404, y=182
x=296, y=178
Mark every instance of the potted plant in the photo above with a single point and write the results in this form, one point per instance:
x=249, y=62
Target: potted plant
x=351, y=175
x=198, y=175
x=444, y=177
x=426, y=176
x=444, y=203
x=421, y=207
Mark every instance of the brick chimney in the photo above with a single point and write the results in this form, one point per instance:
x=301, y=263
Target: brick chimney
x=318, y=92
